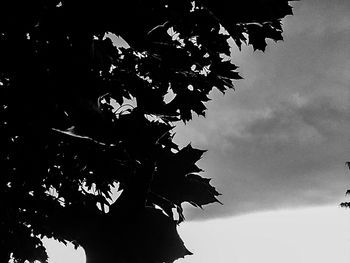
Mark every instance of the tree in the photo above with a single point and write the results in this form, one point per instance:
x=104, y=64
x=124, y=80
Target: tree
x=69, y=134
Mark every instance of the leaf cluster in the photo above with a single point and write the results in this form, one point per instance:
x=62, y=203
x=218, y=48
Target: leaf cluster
x=346, y=204
x=80, y=113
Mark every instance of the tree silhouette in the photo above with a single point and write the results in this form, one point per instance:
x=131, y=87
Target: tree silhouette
x=346, y=204
x=81, y=115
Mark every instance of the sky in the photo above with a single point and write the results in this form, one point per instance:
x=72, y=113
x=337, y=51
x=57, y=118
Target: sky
x=277, y=148
x=308, y=235
x=281, y=139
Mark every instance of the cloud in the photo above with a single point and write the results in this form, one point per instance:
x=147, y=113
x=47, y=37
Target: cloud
x=294, y=155
x=320, y=17
x=283, y=137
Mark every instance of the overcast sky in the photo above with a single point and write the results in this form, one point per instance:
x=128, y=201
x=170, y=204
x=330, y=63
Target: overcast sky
x=282, y=138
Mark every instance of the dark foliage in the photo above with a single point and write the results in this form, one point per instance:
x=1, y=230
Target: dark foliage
x=69, y=133
x=346, y=204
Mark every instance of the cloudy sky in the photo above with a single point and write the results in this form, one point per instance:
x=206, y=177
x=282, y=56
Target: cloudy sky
x=282, y=138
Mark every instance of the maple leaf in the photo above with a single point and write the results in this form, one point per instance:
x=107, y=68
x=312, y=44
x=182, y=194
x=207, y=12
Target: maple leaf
x=177, y=181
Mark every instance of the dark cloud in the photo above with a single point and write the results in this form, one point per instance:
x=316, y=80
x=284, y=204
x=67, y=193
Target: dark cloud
x=293, y=156
x=282, y=139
